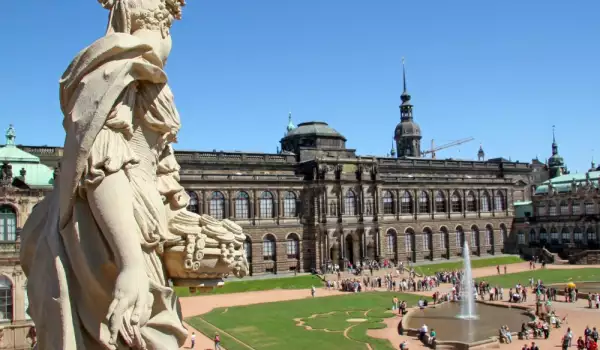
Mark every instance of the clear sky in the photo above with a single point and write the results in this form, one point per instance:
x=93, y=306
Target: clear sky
x=502, y=72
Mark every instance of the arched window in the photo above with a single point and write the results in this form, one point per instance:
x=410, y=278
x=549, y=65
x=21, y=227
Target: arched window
x=474, y=237
x=269, y=247
x=289, y=205
x=456, y=203
x=443, y=238
x=565, y=235
x=564, y=208
x=532, y=236
x=554, y=236
x=427, y=239
x=543, y=235
x=577, y=234
x=193, y=202
x=392, y=242
x=489, y=235
x=471, y=202
x=485, y=202
x=499, y=202
x=407, y=203
x=8, y=223
x=6, y=300
x=591, y=234
x=248, y=249
x=266, y=205
x=242, y=205
x=423, y=202
x=217, y=205
x=440, y=202
x=520, y=237
x=350, y=203
x=388, y=203
x=460, y=237
x=552, y=209
x=576, y=208
x=292, y=246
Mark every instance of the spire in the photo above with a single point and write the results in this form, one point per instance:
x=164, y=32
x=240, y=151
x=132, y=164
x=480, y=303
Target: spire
x=290, y=125
x=554, y=145
x=393, y=150
x=593, y=163
x=405, y=97
x=11, y=135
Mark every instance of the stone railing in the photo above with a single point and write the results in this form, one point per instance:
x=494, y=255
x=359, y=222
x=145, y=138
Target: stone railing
x=444, y=163
x=9, y=247
x=235, y=157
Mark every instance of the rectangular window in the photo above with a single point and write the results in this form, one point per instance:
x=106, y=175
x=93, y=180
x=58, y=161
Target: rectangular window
x=473, y=239
x=408, y=243
x=589, y=208
x=488, y=236
x=552, y=209
x=578, y=236
x=217, y=208
x=576, y=208
x=289, y=207
x=241, y=208
x=564, y=209
x=426, y=241
x=443, y=237
x=521, y=238
x=485, y=203
x=406, y=205
x=266, y=208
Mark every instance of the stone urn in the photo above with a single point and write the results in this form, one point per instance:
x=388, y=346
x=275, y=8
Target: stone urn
x=204, y=257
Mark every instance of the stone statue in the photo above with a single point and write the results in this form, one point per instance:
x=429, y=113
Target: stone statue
x=100, y=252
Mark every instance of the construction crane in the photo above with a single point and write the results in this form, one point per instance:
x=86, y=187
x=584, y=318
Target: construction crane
x=448, y=145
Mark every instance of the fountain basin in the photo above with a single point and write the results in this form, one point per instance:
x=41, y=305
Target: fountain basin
x=457, y=333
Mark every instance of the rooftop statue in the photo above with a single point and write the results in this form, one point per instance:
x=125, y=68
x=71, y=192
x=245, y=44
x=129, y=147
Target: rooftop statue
x=100, y=250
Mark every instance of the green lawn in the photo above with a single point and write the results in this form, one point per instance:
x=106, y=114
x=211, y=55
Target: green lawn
x=240, y=286
x=546, y=275
x=456, y=265
x=272, y=326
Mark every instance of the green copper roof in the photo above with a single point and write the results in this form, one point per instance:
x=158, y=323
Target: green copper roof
x=564, y=183
x=37, y=175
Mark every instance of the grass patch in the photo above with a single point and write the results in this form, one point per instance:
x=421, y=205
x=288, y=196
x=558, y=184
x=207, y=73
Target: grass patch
x=546, y=275
x=241, y=286
x=271, y=326
x=429, y=270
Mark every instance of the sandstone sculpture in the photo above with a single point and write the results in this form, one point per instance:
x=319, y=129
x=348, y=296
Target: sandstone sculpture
x=100, y=250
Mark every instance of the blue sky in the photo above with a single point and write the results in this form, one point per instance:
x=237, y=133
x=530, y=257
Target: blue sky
x=502, y=72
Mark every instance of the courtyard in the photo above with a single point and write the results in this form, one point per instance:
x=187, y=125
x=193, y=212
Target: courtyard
x=290, y=318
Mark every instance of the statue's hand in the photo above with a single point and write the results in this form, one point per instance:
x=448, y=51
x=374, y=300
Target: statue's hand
x=130, y=300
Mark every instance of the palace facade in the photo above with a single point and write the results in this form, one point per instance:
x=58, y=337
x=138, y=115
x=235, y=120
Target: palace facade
x=563, y=215
x=24, y=182
x=317, y=201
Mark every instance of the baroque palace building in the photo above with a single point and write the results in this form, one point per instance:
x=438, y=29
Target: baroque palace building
x=563, y=214
x=24, y=182
x=316, y=201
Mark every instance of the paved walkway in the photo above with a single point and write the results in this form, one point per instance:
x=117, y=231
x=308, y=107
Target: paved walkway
x=198, y=305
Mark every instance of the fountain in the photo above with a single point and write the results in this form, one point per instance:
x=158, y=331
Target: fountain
x=467, y=300
x=468, y=323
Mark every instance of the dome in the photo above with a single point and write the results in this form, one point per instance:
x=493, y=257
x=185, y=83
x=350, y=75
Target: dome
x=555, y=160
x=315, y=129
x=407, y=128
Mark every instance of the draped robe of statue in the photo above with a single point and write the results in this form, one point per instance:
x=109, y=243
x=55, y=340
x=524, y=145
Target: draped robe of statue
x=119, y=115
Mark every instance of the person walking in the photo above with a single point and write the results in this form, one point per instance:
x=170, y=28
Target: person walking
x=217, y=342
x=193, y=340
